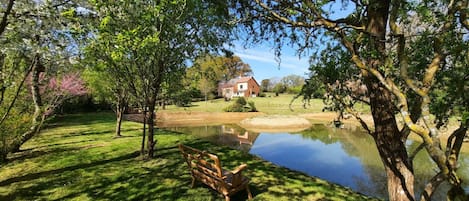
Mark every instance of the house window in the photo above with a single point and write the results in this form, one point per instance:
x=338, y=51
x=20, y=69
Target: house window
x=241, y=86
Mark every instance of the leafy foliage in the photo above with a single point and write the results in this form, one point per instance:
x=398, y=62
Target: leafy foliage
x=209, y=70
x=144, y=46
x=403, y=52
x=37, y=37
x=241, y=105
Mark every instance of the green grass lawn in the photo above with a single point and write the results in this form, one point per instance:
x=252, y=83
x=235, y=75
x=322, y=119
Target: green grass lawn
x=270, y=105
x=77, y=158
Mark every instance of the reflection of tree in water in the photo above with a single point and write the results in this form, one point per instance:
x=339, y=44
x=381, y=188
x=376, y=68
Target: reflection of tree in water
x=358, y=144
x=353, y=141
x=376, y=186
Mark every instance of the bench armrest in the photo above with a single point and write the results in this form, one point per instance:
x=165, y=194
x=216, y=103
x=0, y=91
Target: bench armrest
x=239, y=169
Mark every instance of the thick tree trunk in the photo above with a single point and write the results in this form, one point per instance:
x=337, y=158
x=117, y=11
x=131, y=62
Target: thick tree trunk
x=391, y=149
x=389, y=140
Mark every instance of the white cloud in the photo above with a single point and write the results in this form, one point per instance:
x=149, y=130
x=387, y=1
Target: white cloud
x=265, y=55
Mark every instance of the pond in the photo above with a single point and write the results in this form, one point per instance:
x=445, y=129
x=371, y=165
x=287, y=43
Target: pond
x=344, y=156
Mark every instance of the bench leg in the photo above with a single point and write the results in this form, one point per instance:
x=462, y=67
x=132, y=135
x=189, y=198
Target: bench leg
x=249, y=192
x=193, y=182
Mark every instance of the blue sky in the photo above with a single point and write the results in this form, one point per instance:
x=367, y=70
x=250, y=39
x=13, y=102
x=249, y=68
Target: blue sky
x=262, y=58
x=264, y=64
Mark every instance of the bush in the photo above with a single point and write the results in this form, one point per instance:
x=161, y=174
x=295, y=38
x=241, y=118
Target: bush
x=241, y=105
x=235, y=107
x=252, y=106
x=241, y=101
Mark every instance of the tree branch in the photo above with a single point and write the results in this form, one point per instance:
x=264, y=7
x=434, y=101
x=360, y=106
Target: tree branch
x=463, y=14
x=318, y=22
x=416, y=151
x=454, y=144
x=358, y=117
x=431, y=186
x=4, y=22
x=17, y=93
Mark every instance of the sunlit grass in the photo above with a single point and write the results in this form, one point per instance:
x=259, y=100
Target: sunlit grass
x=78, y=158
x=270, y=104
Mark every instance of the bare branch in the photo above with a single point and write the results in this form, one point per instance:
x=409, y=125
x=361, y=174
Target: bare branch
x=431, y=186
x=416, y=151
x=358, y=117
x=17, y=93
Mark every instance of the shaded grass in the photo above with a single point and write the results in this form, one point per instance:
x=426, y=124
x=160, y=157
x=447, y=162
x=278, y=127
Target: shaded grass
x=78, y=159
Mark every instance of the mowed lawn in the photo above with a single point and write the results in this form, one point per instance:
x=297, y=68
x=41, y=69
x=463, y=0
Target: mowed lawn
x=269, y=105
x=77, y=158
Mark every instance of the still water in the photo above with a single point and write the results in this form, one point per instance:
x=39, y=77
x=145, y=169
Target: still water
x=344, y=156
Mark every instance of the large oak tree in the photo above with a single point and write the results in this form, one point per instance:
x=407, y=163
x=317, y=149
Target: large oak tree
x=403, y=52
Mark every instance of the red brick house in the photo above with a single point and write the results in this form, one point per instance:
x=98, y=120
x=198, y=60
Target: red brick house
x=240, y=86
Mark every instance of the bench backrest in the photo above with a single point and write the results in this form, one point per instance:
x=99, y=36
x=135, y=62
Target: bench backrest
x=201, y=162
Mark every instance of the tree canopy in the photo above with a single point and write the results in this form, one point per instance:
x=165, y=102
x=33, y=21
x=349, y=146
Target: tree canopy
x=143, y=44
x=37, y=50
x=402, y=52
x=209, y=70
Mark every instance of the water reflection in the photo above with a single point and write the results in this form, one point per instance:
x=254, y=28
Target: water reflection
x=230, y=135
x=344, y=156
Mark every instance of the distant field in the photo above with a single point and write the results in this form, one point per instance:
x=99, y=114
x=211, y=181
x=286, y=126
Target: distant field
x=270, y=105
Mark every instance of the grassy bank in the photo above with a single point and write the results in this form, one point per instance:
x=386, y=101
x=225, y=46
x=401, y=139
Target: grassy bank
x=77, y=158
x=269, y=105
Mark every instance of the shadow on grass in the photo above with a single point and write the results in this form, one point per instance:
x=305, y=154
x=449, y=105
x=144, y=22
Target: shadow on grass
x=167, y=177
x=54, y=145
x=37, y=152
x=32, y=176
x=121, y=175
x=81, y=119
x=270, y=182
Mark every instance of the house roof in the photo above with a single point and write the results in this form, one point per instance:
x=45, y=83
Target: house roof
x=232, y=82
x=243, y=79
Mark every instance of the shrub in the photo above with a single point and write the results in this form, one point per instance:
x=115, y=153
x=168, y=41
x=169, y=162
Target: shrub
x=239, y=107
x=252, y=106
x=241, y=101
x=235, y=107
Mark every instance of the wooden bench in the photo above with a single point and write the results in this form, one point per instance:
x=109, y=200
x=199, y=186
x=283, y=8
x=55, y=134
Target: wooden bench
x=206, y=168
